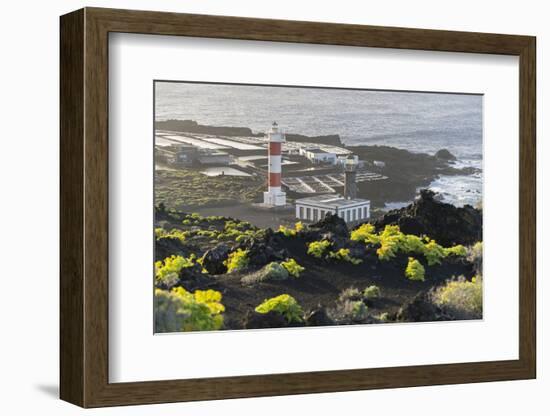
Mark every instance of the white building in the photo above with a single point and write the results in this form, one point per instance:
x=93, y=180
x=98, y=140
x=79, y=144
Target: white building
x=316, y=207
x=317, y=155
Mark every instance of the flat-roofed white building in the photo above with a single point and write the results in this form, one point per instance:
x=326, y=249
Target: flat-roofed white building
x=317, y=207
x=317, y=155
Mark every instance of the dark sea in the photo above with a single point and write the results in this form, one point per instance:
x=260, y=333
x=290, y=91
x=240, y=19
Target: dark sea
x=415, y=121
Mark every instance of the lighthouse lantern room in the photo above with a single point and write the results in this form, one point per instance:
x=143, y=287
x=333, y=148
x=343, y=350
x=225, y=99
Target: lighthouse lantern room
x=274, y=196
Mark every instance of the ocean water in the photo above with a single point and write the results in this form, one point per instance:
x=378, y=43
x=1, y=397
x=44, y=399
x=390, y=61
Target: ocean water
x=418, y=122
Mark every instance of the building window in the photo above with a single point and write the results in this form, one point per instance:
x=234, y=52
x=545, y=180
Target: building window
x=315, y=214
x=365, y=213
x=301, y=216
x=348, y=216
x=354, y=214
x=308, y=213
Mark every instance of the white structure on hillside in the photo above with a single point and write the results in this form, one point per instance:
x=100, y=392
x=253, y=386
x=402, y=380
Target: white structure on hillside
x=316, y=155
x=350, y=208
x=317, y=207
x=274, y=196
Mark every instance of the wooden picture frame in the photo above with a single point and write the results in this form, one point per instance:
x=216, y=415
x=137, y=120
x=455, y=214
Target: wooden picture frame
x=84, y=207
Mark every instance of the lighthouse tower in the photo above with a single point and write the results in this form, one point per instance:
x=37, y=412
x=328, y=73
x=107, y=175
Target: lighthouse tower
x=274, y=196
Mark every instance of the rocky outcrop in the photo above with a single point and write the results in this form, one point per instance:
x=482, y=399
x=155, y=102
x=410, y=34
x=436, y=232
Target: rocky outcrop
x=262, y=251
x=331, y=224
x=445, y=223
x=213, y=260
x=272, y=319
x=444, y=154
x=420, y=309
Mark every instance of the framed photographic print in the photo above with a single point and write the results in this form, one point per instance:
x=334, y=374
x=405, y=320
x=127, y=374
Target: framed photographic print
x=256, y=207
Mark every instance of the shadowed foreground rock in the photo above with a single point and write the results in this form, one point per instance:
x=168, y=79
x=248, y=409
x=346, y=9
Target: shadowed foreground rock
x=255, y=320
x=445, y=223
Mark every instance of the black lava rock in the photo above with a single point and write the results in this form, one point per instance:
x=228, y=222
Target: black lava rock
x=420, y=309
x=255, y=320
x=445, y=223
x=318, y=317
x=444, y=154
x=331, y=224
x=214, y=258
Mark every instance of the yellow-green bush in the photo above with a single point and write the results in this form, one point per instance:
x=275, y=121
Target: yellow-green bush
x=167, y=271
x=390, y=242
x=365, y=233
x=371, y=292
x=291, y=232
x=237, y=260
x=292, y=267
x=318, y=248
x=271, y=271
x=475, y=253
x=174, y=234
x=414, y=270
x=460, y=297
x=459, y=250
x=434, y=253
x=283, y=304
x=180, y=310
x=343, y=255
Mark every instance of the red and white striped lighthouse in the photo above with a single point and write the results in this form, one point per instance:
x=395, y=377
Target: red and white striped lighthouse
x=274, y=196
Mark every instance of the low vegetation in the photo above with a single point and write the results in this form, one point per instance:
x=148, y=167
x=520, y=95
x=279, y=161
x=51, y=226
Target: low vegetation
x=415, y=270
x=180, y=310
x=167, y=271
x=392, y=241
x=237, y=260
x=284, y=305
x=201, y=190
x=291, y=232
x=292, y=267
x=371, y=292
x=343, y=255
x=318, y=249
x=461, y=298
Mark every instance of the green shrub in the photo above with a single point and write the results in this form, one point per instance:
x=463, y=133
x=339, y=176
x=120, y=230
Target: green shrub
x=174, y=234
x=318, y=248
x=271, y=271
x=237, y=260
x=285, y=305
x=461, y=298
x=459, y=250
x=291, y=232
x=343, y=255
x=371, y=292
x=354, y=310
x=351, y=293
x=274, y=271
x=434, y=253
x=292, y=267
x=414, y=270
x=475, y=255
x=390, y=242
x=180, y=310
x=411, y=243
x=167, y=271
x=365, y=233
